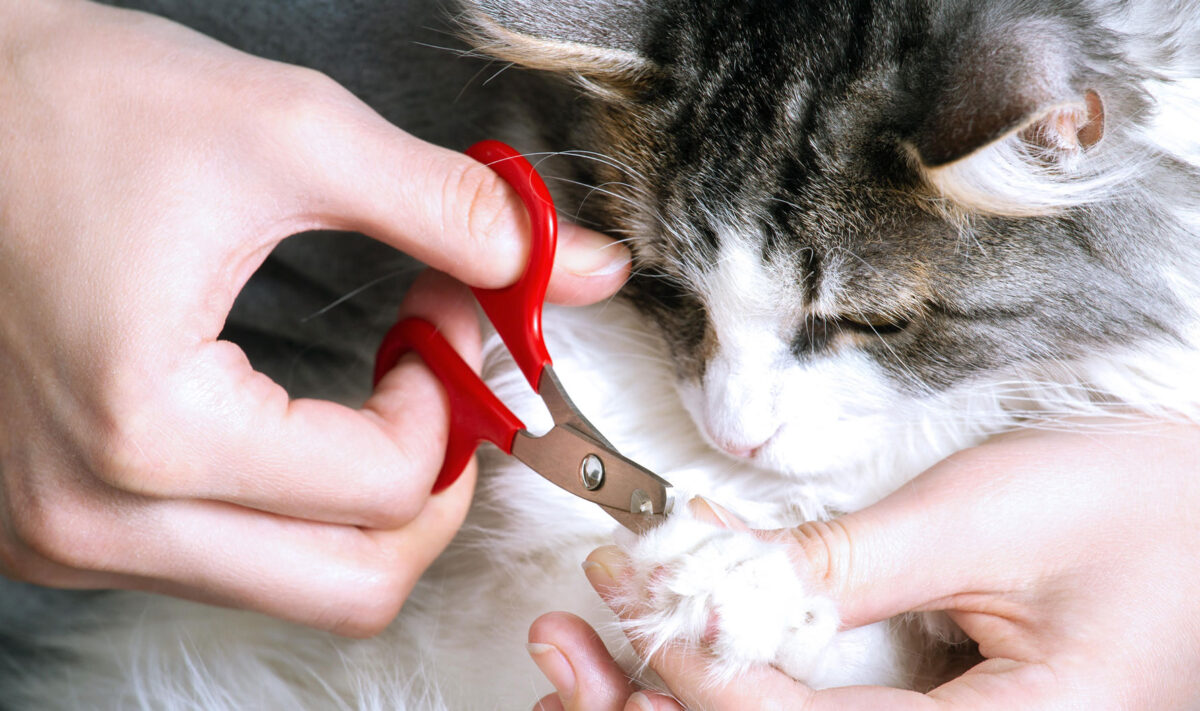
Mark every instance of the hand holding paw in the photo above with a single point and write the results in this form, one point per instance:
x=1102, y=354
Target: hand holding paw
x=1066, y=555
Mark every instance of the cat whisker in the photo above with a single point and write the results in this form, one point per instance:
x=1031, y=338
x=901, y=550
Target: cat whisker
x=602, y=189
x=467, y=84
x=355, y=292
x=609, y=160
x=592, y=189
x=865, y=263
x=604, y=159
x=595, y=157
x=785, y=202
x=457, y=51
x=503, y=69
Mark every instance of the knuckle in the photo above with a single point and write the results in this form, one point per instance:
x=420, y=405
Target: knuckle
x=314, y=81
x=826, y=546
x=313, y=99
x=390, y=508
x=138, y=441
x=423, y=462
x=50, y=531
x=392, y=497
x=486, y=198
x=400, y=506
x=298, y=87
x=422, y=455
x=377, y=602
x=20, y=564
x=300, y=104
x=125, y=458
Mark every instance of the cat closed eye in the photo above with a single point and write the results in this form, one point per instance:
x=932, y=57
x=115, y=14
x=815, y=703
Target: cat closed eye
x=877, y=324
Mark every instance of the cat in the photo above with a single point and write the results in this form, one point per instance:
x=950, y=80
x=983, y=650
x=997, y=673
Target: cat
x=865, y=234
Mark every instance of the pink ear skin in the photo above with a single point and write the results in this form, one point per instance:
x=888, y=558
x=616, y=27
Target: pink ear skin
x=998, y=77
x=1091, y=132
x=1069, y=128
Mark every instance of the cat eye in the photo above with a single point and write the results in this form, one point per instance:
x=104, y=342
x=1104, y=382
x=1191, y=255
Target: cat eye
x=877, y=324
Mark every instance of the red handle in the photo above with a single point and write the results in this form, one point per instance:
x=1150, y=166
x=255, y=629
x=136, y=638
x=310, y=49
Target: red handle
x=516, y=311
x=475, y=413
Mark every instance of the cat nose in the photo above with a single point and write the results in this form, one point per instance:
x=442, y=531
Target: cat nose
x=740, y=449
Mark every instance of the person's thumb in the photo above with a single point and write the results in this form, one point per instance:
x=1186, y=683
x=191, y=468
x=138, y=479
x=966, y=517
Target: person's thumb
x=451, y=212
x=947, y=540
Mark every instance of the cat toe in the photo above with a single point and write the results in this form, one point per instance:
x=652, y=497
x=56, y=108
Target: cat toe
x=734, y=596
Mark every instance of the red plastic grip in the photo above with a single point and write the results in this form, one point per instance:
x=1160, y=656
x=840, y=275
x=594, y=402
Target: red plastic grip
x=475, y=413
x=516, y=311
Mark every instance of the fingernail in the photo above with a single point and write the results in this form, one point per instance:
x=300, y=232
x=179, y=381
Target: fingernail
x=556, y=668
x=591, y=254
x=639, y=702
x=706, y=510
x=604, y=566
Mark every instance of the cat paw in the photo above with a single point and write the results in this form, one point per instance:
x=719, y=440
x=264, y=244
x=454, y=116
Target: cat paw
x=735, y=596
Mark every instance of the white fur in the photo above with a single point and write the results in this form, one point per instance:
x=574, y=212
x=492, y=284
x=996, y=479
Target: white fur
x=744, y=600
x=1012, y=177
x=809, y=419
x=458, y=642
x=1009, y=177
x=841, y=440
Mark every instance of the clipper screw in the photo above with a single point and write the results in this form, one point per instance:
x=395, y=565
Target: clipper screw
x=591, y=472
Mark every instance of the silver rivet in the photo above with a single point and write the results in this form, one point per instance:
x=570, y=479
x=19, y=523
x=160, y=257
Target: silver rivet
x=591, y=471
x=640, y=503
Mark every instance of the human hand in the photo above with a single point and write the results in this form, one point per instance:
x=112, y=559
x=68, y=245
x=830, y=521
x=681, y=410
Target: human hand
x=145, y=173
x=1068, y=556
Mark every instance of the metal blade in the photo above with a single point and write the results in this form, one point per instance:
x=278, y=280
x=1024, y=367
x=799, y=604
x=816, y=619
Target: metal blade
x=561, y=408
x=633, y=495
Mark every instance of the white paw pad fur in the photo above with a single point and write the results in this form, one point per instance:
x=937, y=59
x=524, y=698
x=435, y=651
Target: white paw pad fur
x=735, y=596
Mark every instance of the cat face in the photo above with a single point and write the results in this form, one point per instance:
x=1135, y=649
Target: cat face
x=843, y=216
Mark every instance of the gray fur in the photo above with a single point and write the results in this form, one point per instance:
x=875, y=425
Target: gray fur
x=789, y=121
x=612, y=24
x=829, y=180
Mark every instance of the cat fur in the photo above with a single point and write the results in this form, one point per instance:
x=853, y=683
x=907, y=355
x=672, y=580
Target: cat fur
x=669, y=374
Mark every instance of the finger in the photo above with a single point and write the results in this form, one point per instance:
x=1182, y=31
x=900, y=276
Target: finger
x=717, y=515
x=341, y=578
x=448, y=210
x=1002, y=685
x=550, y=702
x=973, y=523
x=451, y=307
x=994, y=685
x=20, y=562
x=589, y=266
x=220, y=430
x=651, y=701
x=686, y=673
x=576, y=662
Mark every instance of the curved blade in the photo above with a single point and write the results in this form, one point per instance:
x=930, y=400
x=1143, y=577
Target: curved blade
x=633, y=495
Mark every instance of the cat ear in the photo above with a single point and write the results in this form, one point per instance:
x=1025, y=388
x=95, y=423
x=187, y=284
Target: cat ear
x=1069, y=128
x=1002, y=128
x=991, y=91
x=596, y=40
x=1064, y=127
